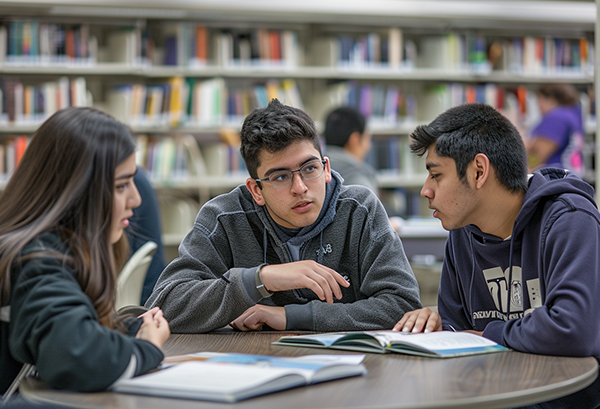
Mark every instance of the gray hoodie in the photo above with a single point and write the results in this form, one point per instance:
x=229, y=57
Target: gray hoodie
x=211, y=283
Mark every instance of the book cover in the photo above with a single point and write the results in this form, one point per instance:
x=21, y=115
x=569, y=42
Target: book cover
x=439, y=344
x=234, y=377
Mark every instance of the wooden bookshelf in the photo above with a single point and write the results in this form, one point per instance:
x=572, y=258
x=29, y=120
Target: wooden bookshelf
x=143, y=38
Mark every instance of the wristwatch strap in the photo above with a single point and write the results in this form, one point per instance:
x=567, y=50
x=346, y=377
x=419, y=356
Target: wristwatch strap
x=259, y=284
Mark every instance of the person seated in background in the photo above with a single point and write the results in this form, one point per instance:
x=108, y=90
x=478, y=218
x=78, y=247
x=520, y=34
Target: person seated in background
x=347, y=144
x=521, y=265
x=145, y=225
x=557, y=141
x=62, y=216
x=292, y=249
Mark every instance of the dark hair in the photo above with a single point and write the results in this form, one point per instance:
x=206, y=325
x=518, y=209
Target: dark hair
x=341, y=123
x=65, y=184
x=274, y=128
x=462, y=132
x=563, y=94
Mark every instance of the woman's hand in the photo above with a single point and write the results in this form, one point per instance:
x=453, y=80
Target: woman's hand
x=155, y=327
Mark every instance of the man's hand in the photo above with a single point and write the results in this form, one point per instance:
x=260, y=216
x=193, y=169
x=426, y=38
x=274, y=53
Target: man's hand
x=423, y=320
x=257, y=316
x=323, y=281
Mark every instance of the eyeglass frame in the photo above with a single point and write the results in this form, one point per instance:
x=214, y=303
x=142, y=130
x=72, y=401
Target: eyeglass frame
x=268, y=179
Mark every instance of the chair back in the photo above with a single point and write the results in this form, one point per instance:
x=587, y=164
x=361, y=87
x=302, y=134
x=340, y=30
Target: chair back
x=130, y=280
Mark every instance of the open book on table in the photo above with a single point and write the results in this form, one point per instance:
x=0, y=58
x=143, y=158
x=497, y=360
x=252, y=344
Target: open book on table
x=233, y=377
x=440, y=344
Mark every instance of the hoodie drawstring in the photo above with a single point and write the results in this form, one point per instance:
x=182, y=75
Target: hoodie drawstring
x=264, y=245
x=321, y=249
x=471, y=284
x=509, y=284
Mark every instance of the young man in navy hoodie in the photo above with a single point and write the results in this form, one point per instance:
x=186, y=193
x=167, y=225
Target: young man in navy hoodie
x=522, y=264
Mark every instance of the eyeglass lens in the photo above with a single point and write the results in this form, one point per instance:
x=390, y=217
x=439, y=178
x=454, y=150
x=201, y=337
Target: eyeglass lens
x=311, y=170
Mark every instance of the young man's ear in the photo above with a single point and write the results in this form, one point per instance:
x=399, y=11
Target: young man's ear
x=255, y=191
x=481, y=167
x=327, y=171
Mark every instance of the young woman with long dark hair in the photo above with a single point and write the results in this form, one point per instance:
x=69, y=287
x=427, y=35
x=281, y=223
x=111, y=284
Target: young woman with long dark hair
x=62, y=216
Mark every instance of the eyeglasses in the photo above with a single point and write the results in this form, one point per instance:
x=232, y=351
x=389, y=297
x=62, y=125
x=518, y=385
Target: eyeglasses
x=283, y=178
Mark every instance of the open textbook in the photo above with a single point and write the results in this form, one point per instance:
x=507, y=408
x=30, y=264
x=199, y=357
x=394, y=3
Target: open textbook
x=440, y=344
x=233, y=377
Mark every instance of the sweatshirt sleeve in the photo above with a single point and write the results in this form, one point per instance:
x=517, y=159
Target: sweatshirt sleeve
x=387, y=287
x=54, y=326
x=198, y=292
x=566, y=322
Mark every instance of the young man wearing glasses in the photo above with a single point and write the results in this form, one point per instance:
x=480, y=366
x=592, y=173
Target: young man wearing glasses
x=292, y=249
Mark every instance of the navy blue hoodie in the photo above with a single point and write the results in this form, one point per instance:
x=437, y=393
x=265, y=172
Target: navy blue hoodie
x=552, y=261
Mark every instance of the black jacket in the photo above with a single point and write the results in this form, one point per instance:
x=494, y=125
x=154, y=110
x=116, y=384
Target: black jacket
x=53, y=325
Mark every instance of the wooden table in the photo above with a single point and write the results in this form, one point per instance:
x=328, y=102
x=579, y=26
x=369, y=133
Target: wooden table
x=394, y=381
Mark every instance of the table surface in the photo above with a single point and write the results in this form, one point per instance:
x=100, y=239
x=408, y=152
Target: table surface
x=394, y=381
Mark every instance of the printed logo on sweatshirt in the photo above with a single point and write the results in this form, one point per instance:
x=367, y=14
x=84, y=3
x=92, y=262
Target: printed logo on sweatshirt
x=497, y=281
x=326, y=249
x=497, y=284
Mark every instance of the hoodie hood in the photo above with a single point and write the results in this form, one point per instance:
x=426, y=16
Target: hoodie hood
x=544, y=184
x=550, y=183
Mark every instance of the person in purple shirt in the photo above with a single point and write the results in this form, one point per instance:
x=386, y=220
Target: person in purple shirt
x=557, y=141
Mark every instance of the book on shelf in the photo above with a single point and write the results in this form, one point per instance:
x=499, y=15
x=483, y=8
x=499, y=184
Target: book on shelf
x=33, y=42
x=385, y=106
x=234, y=377
x=168, y=158
x=130, y=45
x=257, y=47
x=31, y=104
x=190, y=101
x=377, y=49
x=391, y=155
x=12, y=149
x=438, y=344
x=185, y=44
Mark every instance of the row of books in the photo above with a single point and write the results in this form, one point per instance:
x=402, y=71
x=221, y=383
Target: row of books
x=523, y=55
x=186, y=44
x=195, y=45
x=518, y=103
x=164, y=158
x=386, y=49
x=259, y=47
x=180, y=158
x=537, y=55
x=190, y=101
x=391, y=155
x=222, y=159
x=32, y=104
x=454, y=51
x=33, y=42
x=383, y=105
x=130, y=45
x=12, y=149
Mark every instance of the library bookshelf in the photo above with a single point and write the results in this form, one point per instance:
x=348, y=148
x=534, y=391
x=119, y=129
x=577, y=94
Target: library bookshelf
x=179, y=74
